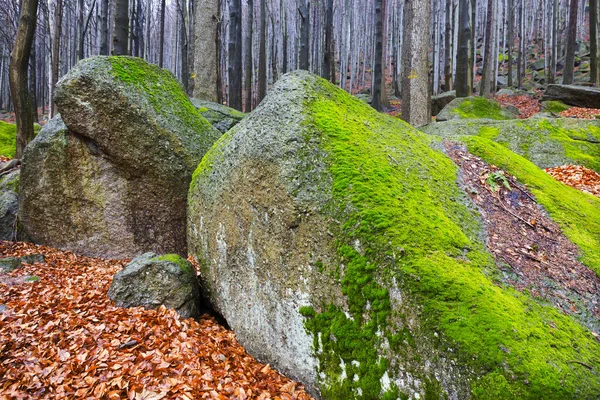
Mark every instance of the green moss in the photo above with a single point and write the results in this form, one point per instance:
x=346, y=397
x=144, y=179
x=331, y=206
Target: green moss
x=555, y=106
x=176, y=259
x=577, y=213
x=8, y=138
x=489, y=132
x=32, y=278
x=480, y=107
x=397, y=197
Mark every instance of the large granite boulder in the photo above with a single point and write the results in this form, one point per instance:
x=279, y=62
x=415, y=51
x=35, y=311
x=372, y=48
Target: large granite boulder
x=221, y=117
x=112, y=179
x=441, y=100
x=9, y=204
x=151, y=281
x=580, y=96
x=546, y=142
x=340, y=247
x=474, y=107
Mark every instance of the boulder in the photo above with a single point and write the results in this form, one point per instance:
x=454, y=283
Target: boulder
x=220, y=117
x=441, y=100
x=339, y=246
x=546, y=142
x=9, y=204
x=473, y=107
x=580, y=96
x=505, y=92
x=151, y=281
x=112, y=179
x=12, y=263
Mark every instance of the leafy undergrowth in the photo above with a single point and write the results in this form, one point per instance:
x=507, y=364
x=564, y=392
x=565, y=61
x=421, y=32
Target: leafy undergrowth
x=61, y=337
x=581, y=113
x=526, y=104
x=576, y=176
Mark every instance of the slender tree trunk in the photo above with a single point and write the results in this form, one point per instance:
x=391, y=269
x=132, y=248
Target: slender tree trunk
x=19, y=61
x=248, y=59
x=235, y=55
x=262, y=52
x=378, y=70
x=448, y=47
x=554, y=46
x=183, y=38
x=121, y=30
x=33, y=82
x=104, y=28
x=463, y=86
x=284, y=67
x=304, y=56
x=56, y=53
x=519, y=55
x=510, y=40
x=490, y=40
x=328, y=54
x=161, y=37
x=594, y=70
x=415, y=63
x=571, y=44
x=80, y=53
x=207, y=56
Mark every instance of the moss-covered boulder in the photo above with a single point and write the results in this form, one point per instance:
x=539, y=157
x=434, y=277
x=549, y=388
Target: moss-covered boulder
x=581, y=96
x=474, y=107
x=152, y=281
x=547, y=142
x=221, y=117
x=9, y=204
x=112, y=179
x=338, y=245
x=441, y=100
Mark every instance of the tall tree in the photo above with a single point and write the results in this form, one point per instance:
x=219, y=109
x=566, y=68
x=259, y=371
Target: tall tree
x=121, y=32
x=104, y=28
x=19, y=61
x=304, y=10
x=234, y=49
x=328, y=54
x=465, y=47
x=510, y=39
x=553, y=46
x=594, y=56
x=183, y=45
x=206, y=60
x=415, y=63
x=262, y=52
x=490, y=41
x=571, y=44
x=248, y=58
x=161, y=34
x=56, y=52
x=448, y=46
x=376, y=101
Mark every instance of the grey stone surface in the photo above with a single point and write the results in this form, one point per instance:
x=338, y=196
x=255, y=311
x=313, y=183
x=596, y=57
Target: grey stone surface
x=9, y=204
x=581, y=96
x=441, y=100
x=151, y=281
x=220, y=117
x=112, y=179
x=10, y=263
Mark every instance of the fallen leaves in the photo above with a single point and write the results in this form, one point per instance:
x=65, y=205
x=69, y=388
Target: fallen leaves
x=61, y=337
x=576, y=176
x=581, y=112
x=526, y=104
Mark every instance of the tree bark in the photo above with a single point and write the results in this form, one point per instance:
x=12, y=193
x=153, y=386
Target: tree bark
x=206, y=58
x=594, y=70
x=248, y=58
x=490, y=40
x=571, y=44
x=262, y=52
x=120, y=35
x=19, y=61
x=376, y=101
x=33, y=82
x=328, y=56
x=56, y=53
x=104, y=29
x=465, y=45
x=235, y=55
x=161, y=34
x=304, y=11
x=448, y=47
x=183, y=47
x=510, y=39
x=415, y=63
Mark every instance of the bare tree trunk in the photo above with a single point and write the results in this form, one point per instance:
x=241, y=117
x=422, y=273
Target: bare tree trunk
x=415, y=63
x=19, y=61
x=463, y=86
x=161, y=35
x=104, y=28
x=183, y=38
x=33, y=82
x=262, y=52
x=235, y=55
x=448, y=47
x=304, y=56
x=328, y=58
x=56, y=53
x=378, y=70
x=80, y=54
x=571, y=44
x=594, y=58
x=510, y=40
x=284, y=67
x=490, y=40
x=520, y=53
x=207, y=57
x=248, y=58
x=80, y=6
x=120, y=35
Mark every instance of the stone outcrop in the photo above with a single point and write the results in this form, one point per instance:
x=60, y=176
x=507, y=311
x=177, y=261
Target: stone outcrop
x=580, y=96
x=220, y=117
x=112, y=179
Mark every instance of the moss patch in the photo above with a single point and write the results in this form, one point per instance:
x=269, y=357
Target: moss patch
x=8, y=138
x=397, y=198
x=176, y=259
x=480, y=107
x=555, y=106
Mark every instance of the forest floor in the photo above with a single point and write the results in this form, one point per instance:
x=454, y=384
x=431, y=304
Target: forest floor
x=62, y=337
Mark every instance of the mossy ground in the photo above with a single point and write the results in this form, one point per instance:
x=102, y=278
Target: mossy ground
x=555, y=106
x=398, y=198
x=480, y=107
x=8, y=138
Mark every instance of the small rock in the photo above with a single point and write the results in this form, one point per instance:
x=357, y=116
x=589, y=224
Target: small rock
x=33, y=258
x=10, y=263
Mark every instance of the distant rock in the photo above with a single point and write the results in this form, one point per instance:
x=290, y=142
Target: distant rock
x=473, y=107
x=9, y=204
x=580, y=96
x=220, y=117
x=12, y=263
x=151, y=281
x=505, y=92
x=341, y=248
x=441, y=100
x=112, y=179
